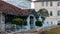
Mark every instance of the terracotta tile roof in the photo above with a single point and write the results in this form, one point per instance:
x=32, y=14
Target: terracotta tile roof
x=45, y=0
x=10, y=9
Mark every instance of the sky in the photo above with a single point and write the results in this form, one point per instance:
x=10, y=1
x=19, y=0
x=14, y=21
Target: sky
x=13, y=0
x=17, y=3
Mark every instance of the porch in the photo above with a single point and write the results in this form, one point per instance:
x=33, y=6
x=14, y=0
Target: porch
x=6, y=25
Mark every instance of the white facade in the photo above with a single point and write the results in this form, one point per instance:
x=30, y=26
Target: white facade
x=54, y=18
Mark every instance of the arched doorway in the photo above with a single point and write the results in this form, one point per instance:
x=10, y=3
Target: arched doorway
x=31, y=22
x=58, y=23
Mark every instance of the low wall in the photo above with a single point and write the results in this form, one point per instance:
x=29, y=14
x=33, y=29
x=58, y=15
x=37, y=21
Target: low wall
x=2, y=32
x=34, y=31
x=22, y=33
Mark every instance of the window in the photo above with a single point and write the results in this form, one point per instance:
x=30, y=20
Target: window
x=46, y=3
x=58, y=13
x=58, y=4
x=58, y=23
x=42, y=3
x=50, y=13
x=51, y=22
x=47, y=22
x=50, y=3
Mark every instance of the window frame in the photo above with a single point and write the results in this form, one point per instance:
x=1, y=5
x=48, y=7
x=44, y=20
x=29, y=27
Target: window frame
x=51, y=3
x=58, y=3
x=58, y=13
x=51, y=13
x=42, y=3
x=46, y=3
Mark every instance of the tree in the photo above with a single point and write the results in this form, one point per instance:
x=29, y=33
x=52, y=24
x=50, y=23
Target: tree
x=43, y=13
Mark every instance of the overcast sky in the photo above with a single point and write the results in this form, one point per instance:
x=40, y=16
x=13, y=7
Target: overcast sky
x=13, y=0
x=16, y=2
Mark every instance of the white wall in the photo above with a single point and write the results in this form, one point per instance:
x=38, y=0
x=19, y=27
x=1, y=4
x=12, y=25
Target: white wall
x=38, y=5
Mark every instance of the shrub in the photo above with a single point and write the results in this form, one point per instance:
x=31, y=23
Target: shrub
x=25, y=22
x=18, y=21
x=38, y=23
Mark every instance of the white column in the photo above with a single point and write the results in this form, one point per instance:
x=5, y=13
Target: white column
x=32, y=5
x=33, y=0
x=2, y=23
x=34, y=22
x=28, y=23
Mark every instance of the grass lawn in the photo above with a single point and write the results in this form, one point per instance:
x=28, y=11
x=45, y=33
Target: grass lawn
x=52, y=31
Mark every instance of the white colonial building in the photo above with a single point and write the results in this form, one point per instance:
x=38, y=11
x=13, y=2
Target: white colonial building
x=53, y=7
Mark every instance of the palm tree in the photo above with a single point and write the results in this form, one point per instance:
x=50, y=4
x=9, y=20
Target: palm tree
x=43, y=13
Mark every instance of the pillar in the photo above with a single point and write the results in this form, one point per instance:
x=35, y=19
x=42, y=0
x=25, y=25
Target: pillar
x=28, y=23
x=34, y=22
x=2, y=22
